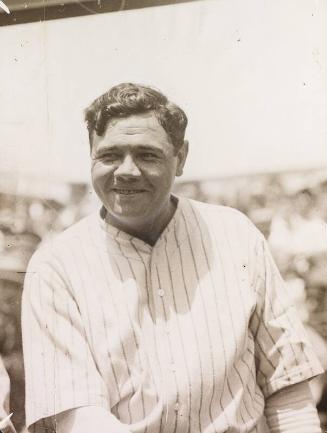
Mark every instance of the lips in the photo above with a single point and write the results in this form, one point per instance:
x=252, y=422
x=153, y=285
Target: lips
x=125, y=191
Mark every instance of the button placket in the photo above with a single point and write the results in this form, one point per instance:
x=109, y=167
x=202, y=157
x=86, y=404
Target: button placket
x=244, y=276
x=173, y=366
x=161, y=291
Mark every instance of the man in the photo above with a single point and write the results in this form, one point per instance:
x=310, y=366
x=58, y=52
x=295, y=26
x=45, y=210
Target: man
x=159, y=314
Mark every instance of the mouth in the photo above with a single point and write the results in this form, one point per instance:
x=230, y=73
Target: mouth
x=125, y=191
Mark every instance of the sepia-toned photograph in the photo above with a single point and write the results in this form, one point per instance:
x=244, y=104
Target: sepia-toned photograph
x=163, y=216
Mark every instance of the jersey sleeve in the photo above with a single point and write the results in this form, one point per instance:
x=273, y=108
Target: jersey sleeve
x=283, y=354
x=60, y=371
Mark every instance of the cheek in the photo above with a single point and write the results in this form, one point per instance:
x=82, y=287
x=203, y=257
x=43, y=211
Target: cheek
x=101, y=174
x=162, y=178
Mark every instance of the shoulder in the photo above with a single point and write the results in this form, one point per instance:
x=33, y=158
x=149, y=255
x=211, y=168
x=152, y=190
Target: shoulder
x=218, y=214
x=217, y=210
x=228, y=226
x=60, y=246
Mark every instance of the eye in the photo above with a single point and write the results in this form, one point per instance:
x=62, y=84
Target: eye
x=109, y=157
x=148, y=156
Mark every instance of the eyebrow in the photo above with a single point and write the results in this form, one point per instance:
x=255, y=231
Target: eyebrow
x=106, y=149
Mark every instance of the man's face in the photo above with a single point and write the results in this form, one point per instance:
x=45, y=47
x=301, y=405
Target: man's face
x=133, y=168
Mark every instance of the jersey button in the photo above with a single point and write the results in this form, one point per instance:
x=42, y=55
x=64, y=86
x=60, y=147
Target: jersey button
x=176, y=407
x=161, y=292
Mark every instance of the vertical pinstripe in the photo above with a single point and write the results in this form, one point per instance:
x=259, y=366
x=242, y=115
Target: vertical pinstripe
x=181, y=337
x=215, y=298
x=82, y=289
x=170, y=350
x=182, y=342
x=133, y=331
x=113, y=303
x=105, y=327
x=194, y=262
x=233, y=332
x=194, y=332
x=238, y=276
x=155, y=342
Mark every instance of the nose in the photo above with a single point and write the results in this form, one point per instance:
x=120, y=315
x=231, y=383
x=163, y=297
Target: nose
x=127, y=168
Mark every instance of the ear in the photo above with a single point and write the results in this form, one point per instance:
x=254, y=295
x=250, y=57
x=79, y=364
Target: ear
x=181, y=158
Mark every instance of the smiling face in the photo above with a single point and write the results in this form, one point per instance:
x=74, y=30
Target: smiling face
x=133, y=169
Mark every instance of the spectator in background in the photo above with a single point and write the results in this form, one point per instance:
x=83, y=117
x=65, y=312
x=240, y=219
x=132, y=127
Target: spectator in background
x=4, y=400
x=4, y=391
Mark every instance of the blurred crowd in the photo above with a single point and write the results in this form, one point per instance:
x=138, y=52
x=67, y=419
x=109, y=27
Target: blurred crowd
x=290, y=209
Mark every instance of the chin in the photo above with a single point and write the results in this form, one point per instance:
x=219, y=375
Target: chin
x=128, y=214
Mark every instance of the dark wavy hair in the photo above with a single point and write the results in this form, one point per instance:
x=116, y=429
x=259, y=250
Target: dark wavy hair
x=127, y=99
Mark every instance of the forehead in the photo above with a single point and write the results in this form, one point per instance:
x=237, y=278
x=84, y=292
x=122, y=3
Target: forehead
x=142, y=129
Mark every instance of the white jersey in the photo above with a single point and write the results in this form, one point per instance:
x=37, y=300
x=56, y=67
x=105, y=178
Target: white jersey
x=187, y=336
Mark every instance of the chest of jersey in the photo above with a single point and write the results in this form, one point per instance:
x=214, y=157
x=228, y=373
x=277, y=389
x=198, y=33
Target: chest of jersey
x=168, y=327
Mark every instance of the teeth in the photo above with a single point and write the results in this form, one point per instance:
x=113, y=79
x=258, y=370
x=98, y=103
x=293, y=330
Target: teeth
x=127, y=191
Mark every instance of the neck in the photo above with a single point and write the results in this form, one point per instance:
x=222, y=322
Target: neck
x=148, y=229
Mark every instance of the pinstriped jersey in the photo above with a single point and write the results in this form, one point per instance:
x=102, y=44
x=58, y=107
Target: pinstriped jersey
x=189, y=335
